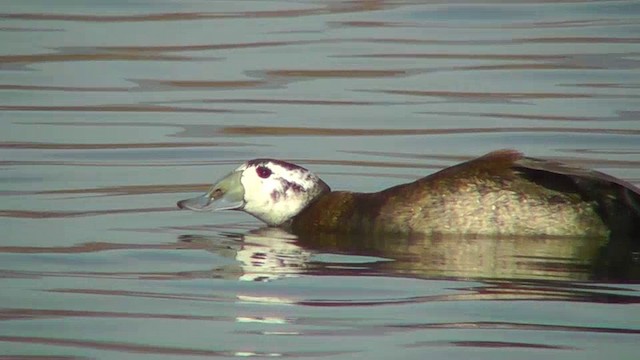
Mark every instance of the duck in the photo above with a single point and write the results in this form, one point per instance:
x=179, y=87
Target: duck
x=502, y=193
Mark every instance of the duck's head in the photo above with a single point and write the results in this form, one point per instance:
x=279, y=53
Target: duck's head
x=274, y=191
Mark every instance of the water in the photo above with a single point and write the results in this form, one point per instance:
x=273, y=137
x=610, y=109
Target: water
x=113, y=111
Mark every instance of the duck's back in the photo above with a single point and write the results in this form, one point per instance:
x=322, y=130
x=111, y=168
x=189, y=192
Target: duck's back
x=501, y=193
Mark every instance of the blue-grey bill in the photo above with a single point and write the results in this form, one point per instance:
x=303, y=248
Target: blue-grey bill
x=206, y=203
x=226, y=194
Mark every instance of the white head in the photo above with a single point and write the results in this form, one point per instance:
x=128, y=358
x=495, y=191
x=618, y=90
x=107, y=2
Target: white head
x=274, y=191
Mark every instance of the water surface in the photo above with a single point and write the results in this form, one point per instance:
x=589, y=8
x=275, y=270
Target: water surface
x=111, y=111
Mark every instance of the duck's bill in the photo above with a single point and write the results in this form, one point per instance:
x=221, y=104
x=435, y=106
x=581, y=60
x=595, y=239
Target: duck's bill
x=226, y=194
x=206, y=203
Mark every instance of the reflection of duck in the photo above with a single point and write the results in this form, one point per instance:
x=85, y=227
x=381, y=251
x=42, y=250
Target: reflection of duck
x=270, y=253
x=261, y=255
x=501, y=193
x=565, y=258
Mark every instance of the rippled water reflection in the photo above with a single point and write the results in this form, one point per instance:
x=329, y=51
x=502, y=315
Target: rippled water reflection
x=112, y=111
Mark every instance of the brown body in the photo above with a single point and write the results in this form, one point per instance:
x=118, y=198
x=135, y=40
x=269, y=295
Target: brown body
x=501, y=193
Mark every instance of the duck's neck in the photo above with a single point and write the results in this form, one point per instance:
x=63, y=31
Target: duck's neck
x=339, y=211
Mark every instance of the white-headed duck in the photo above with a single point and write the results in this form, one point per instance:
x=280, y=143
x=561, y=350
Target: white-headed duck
x=500, y=193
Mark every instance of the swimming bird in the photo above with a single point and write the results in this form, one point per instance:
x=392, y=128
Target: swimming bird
x=502, y=193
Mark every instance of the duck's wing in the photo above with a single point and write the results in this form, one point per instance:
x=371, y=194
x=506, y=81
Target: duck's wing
x=547, y=173
x=581, y=176
x=618, y=200
x=588, y=181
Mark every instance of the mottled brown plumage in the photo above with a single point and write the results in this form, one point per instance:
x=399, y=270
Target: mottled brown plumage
x=501, y=193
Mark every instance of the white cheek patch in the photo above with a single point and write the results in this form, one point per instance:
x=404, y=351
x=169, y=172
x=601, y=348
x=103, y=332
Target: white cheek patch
x=278, y=197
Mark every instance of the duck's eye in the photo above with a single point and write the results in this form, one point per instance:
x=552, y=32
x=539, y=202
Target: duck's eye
x=263, y=171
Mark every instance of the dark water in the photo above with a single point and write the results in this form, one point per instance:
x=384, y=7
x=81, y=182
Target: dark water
x=111, y=111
